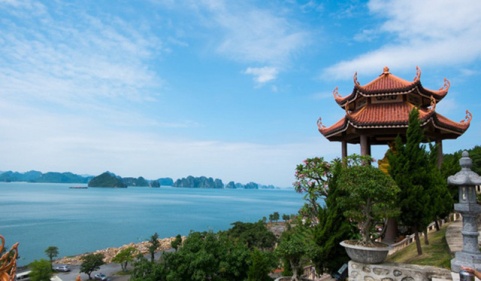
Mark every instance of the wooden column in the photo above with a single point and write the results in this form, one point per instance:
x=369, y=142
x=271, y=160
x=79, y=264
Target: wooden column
x=344, y=149
x=364, y=145
x=439, y=143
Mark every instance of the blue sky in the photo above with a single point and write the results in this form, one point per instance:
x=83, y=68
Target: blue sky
x=224, y=89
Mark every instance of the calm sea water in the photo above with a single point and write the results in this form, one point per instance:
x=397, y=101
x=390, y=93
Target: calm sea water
x=83, y=220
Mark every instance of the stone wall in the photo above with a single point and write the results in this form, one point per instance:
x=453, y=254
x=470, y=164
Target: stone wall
x=396, y=272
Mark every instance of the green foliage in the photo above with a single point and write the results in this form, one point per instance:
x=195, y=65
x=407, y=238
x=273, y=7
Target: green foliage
x=41, y=270
x=371, y=195
x=176, y=242
x=274, y=217
x=153, y=246
x=295, y=246
x=412, y=170
x=254, y=235
x=207, y=256
x=261, y=264
x=144, y=270
x=124, y=257
x=51, y=253
x=312, y=178
x=91, y=263
x=318, y=179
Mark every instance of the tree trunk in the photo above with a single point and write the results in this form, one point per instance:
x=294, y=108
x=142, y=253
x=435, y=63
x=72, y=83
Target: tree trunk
x=426, y=239
x=391, y=231
x=436, y=224
x=294, y=272
x=418, y=243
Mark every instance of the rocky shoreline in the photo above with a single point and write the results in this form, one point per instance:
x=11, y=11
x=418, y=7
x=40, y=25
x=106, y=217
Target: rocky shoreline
x=110, y=253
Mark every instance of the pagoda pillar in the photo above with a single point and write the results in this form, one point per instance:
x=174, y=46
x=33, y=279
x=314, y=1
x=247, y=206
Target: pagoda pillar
x=364, y=145
x=439, y=144
x=344, y=149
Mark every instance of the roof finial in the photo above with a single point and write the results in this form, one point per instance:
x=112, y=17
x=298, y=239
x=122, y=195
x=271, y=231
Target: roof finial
x=320, y=126
x=418, y=74
x=355, y=79
x=385, y=70
x=468, y=117
x=335, y=93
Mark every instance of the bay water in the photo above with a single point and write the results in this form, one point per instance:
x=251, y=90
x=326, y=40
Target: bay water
x=39, y=215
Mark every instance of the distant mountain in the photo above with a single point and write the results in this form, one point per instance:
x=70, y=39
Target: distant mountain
x=36, y=176
x=140, y=181
x=110, y=179
x=204, y=182
x=107, y=179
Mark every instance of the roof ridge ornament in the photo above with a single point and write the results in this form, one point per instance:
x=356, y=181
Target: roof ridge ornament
x=335, y=93
x=355, y=79
x=446, y=85
x=418, y=74
x=385, y=71
x=468, y=117
x=320, y=126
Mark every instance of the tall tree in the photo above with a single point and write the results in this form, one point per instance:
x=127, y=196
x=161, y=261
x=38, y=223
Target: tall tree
x=410, y=168
x=51, y=252
x=176, y=242
x=125, y=256
x=41, y=270
x=154, y=245
x=294, y=247
x=91, y=263
x=318, y=180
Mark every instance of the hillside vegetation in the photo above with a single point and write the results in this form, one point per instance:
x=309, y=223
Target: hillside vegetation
x=435, y=254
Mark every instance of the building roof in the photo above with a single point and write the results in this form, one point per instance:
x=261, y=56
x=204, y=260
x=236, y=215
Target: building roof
x=383, y=119
x=388, y=84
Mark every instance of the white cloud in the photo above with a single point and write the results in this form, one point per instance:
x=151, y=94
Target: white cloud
x=66, y=61
x=262, y=74
x=255, y=35
x=426, y=33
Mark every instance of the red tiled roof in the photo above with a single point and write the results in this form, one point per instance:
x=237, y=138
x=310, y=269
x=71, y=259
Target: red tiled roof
x=389, y=84
x=395, y=115
x=385, y=114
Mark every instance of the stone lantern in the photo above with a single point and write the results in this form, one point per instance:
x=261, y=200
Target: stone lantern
x=466, y=180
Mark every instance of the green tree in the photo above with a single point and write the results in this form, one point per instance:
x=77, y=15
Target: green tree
x=51, y=252
x=261, y=263
x=207, y=256
x=255, y=235
x=370, y=195
x=294, y=247
x=176, y=242
x=286, y=217
x=144, y=270
x=410, y=169
x=41, y=270
x=154, y=245
x=275, y=216
x=318, y=180
x=312, y=178
x=91, y=263
x=125, y=256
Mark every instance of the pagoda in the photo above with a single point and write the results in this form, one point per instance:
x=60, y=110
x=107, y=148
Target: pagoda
x=376, y=113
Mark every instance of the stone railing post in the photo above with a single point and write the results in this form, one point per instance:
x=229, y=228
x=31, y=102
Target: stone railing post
x=466, y=180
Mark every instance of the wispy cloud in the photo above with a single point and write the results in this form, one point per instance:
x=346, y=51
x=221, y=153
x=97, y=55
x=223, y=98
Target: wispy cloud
x=83, y=58
x=426, y=34
x=262, y=74
x=250, y=34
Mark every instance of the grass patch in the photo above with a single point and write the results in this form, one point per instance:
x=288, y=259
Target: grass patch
x=435, y=254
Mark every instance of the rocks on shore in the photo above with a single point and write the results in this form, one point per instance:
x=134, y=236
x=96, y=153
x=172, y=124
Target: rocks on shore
x=110, y=253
